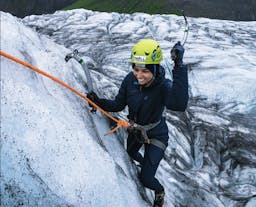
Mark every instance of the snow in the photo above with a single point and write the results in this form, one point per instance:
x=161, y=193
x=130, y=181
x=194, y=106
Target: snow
x=53, y=150
x=46, y=128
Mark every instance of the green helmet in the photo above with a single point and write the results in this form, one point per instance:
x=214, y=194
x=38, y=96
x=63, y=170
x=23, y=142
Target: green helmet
x=146, y=51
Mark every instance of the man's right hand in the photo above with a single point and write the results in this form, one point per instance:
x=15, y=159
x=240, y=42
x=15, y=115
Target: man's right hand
x=93, y=97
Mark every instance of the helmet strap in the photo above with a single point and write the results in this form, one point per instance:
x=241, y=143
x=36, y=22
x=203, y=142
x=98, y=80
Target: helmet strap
x=149, y=83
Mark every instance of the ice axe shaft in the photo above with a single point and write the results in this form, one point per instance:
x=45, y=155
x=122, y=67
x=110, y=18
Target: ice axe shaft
x=184, y=39
x=76, y=56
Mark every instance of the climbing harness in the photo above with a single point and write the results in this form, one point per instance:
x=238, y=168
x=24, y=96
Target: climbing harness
x=120, y=122
x=142, y=137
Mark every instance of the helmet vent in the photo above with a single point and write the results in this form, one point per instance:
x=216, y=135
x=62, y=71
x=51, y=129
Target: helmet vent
x=146, y=51
x=154, y=55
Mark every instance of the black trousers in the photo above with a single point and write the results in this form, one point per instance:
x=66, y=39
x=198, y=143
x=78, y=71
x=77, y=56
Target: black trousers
x=149, y=162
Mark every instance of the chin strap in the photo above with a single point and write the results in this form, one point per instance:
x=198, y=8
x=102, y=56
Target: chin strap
x=154, y=70
x=149, y=83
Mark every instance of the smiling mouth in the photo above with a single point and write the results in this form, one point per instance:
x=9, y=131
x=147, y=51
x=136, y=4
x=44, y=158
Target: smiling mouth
x=141, y=80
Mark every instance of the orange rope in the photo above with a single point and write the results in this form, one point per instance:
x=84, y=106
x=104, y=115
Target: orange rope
x=119, y=122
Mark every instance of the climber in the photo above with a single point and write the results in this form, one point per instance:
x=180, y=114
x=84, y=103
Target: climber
x=147, y=92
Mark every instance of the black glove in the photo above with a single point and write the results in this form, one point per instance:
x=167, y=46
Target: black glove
x=177, y=53
x=93, y=97
x=136, y=134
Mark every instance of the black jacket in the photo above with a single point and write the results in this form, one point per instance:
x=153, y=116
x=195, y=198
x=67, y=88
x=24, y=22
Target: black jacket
x=146, y=104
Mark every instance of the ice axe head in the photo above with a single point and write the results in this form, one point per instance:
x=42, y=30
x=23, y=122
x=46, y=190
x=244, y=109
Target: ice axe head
x=71, y=55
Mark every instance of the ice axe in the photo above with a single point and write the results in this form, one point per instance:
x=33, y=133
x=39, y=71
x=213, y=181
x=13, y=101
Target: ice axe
x=76, y=56
x=184, y=39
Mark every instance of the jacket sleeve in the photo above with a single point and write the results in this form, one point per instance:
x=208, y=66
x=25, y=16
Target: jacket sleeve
x=118, y=104
x=176, y=95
